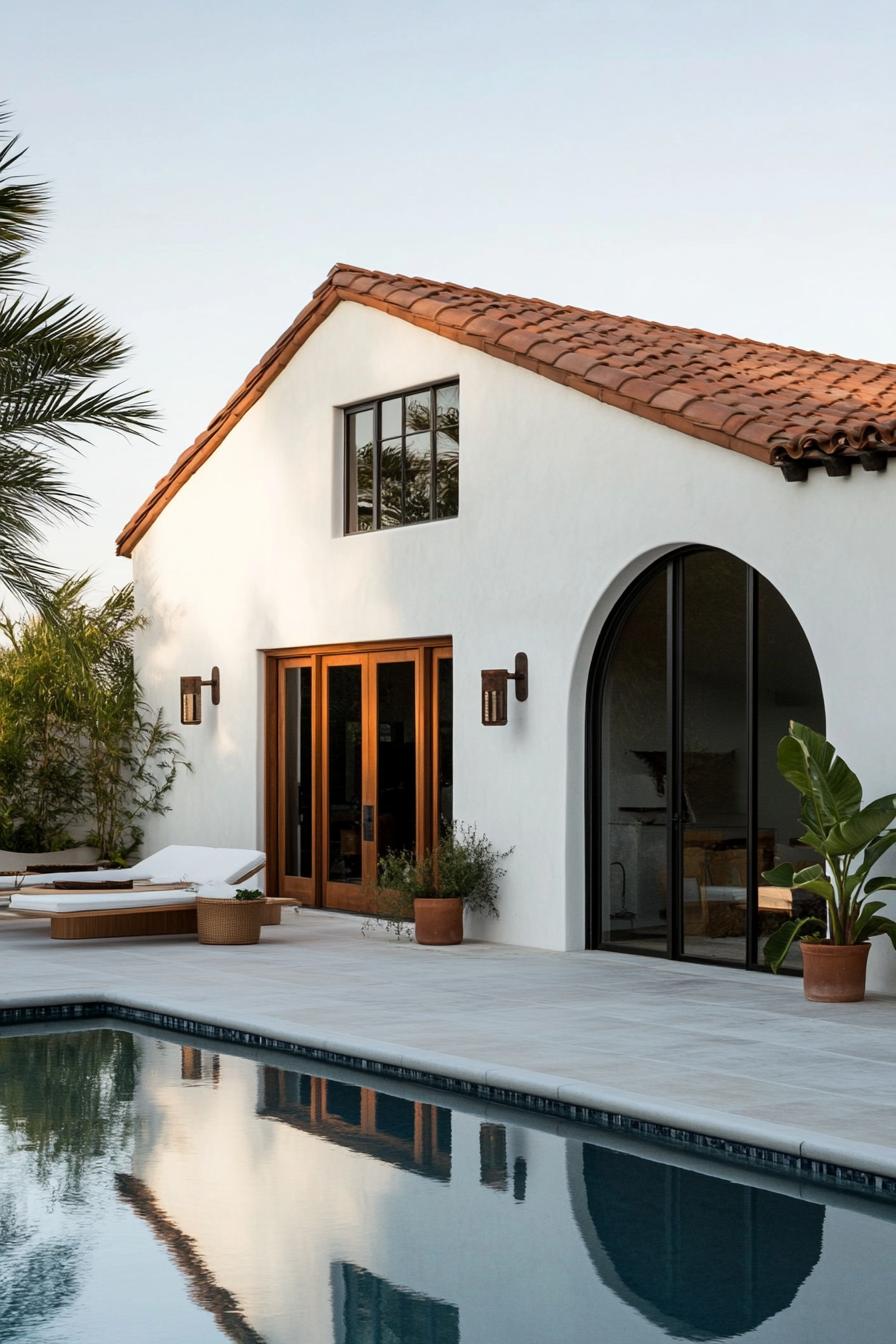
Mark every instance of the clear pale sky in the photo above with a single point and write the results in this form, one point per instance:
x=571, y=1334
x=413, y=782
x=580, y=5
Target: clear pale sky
x=712, y=163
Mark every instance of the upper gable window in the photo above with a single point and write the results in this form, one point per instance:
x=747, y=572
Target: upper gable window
x=402, y=459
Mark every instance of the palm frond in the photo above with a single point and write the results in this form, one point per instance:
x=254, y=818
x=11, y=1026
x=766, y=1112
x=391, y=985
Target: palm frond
x=61, y=334
x=27, y=575
x=34, y=492
x=55, y=358
x=23, y=205
x=52, y=414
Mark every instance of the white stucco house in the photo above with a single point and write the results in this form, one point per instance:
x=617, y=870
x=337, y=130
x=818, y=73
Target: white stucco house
x=687, y=535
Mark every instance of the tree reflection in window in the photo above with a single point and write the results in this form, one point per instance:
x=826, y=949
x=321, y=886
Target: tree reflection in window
x=402, y=457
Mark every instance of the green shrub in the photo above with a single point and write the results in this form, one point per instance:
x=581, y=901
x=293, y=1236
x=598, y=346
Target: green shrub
x=466, y=864
x=80, y=749
x=849, y=836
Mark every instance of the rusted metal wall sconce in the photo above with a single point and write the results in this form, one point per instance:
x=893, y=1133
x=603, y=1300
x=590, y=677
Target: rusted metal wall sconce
x=191, y=696
x=494, y=690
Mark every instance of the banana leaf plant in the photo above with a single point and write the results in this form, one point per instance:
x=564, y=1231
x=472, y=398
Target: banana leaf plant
x=849, y=838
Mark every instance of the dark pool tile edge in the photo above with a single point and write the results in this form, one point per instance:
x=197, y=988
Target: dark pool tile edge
x=819, y=1171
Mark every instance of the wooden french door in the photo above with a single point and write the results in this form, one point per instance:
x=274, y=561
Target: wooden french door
x=363, y=760
x=296, y=731
x=373, y=768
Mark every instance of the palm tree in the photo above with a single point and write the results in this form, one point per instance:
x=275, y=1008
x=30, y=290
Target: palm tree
x=55, y=359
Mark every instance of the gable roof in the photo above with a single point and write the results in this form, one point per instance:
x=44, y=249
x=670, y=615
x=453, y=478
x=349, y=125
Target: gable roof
x=777, y=404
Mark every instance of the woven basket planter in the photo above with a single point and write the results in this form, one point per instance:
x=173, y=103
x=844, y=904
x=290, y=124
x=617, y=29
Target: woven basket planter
x=228, y=923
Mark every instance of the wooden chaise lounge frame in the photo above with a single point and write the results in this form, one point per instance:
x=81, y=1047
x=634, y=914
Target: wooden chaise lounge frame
x=146, y=921
x=138, y=922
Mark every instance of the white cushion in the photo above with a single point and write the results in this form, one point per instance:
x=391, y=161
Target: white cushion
x=68, y=903
x=174, y=863
x=199, y=863
x=217, y=891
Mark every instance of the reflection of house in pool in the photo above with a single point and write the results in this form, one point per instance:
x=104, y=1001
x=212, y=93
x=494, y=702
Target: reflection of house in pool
x=205, y=1291
x=702, y=1257
x=411, y=1135
x=370, y=1310
x=198, y=1066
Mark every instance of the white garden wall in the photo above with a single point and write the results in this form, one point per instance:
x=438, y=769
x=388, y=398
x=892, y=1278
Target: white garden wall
x=563, y=500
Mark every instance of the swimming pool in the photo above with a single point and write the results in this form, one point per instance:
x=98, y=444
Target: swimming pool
x=158, y=1190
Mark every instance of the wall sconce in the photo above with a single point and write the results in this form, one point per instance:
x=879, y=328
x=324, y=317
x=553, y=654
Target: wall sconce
x=494, y=690
x=191, y=696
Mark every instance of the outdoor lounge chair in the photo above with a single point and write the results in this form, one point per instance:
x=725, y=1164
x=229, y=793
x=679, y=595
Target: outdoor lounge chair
x=174, y=863
x=157, y=904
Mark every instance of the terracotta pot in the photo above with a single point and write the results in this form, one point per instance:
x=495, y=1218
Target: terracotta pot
x=833, y=974
x=439, y=920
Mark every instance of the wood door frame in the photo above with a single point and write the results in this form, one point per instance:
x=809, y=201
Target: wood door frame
x=425, y=651
x=438, y=656
x=302, y=888
x=341, y=895
x=422, y=748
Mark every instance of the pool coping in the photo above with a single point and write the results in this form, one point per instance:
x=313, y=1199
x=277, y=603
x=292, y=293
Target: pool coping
x=818, y=1158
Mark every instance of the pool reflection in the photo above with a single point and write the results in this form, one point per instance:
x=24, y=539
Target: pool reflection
x=370, y=1310
x=702, y=1257
x=407, y=1134
x=209, y=1196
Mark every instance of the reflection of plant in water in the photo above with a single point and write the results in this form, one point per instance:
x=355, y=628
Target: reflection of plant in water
x=64, y=1104
x=67, y=1098
x=39, y=1278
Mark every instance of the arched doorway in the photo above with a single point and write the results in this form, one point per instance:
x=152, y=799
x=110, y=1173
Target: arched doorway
x=700, y=668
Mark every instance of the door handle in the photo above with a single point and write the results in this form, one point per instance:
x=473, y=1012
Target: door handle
x=367, y=822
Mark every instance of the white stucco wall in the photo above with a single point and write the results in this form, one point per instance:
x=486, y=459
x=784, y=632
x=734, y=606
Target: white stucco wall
x=563, y=500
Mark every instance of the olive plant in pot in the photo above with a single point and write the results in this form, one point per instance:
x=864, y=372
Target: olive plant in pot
x=463, y=873
x=850, y=839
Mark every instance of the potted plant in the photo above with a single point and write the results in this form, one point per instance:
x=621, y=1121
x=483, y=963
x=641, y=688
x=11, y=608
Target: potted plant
x=229, y=919
x=850, y=839
x=463, y=873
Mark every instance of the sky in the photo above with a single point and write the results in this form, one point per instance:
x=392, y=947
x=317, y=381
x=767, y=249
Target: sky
x=708, y=163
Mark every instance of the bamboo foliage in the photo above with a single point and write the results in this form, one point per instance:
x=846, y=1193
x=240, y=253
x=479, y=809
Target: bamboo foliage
x=80, y=749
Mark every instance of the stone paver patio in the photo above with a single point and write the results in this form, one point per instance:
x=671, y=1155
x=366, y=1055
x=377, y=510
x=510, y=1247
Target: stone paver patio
x=713, y=1050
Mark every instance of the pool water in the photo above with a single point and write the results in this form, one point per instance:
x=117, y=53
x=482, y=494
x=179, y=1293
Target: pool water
x=164, y=1192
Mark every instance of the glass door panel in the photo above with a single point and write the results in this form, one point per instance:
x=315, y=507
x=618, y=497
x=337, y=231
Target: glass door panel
x=714, y=769
x=397, y=775
x=297, y=780
x=443, y=737
x=635, y=911
x=701, y=671
x=343, y=761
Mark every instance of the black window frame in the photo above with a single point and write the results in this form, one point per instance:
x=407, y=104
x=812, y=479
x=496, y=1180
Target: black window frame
x=375, y=406
x=671, y=565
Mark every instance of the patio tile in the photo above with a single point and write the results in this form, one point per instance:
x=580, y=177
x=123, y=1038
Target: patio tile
x=724, y=1052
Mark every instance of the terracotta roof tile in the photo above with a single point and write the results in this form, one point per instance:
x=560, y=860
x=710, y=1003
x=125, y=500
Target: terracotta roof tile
x=768, y=401
x=577, y=361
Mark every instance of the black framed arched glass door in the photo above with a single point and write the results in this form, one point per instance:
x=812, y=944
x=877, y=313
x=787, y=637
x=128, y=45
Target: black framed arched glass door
x=700, y=668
